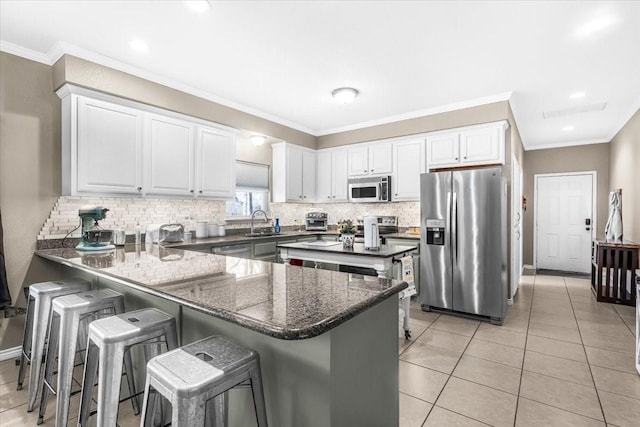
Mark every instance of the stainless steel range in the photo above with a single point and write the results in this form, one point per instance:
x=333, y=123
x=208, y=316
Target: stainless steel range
x=386, y=225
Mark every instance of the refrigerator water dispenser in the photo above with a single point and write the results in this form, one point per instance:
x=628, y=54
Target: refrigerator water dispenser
x=435, y=232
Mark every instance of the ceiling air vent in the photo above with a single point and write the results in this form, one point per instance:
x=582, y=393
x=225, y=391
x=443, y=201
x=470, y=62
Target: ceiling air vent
x=600, y=106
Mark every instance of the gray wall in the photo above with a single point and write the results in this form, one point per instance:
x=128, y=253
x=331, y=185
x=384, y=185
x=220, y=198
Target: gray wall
x=581, y=158
x=452, y=119
x=624, y=164
x=30, y=163
x=70, y=69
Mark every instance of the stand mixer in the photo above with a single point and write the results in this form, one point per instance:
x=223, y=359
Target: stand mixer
x=93, y=238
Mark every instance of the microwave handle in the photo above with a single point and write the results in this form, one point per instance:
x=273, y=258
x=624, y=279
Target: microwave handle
x=379, y=191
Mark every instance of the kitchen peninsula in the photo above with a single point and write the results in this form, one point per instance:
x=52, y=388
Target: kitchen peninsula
x=328, y=341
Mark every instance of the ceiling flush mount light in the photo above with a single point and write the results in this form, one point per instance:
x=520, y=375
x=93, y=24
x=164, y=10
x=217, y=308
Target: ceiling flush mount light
x=345, y=95
x=568, y=128
x=257, y=140
x=198, y=5
x=139, y=45
x=577, y=95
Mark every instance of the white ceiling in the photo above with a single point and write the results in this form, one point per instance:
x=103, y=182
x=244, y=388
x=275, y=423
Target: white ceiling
x=281, y=60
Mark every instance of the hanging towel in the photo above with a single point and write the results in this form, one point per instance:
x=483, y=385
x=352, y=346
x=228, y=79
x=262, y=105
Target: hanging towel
x=613, y=229
x=5, y=296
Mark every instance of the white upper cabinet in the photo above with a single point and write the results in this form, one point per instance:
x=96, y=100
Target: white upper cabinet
x=169, y=156
x=371, y=159
x=443, y=149
x=332, y=177
x=409, y=163
x=358, y=161
x=113, y=146
x=294, y=173
x=108, y=148
x=380, y=159
x=473, y=145
x=480, y=145
x=215, y=163
x=339, y=176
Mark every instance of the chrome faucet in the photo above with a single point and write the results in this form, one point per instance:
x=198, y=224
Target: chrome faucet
x=253, y=216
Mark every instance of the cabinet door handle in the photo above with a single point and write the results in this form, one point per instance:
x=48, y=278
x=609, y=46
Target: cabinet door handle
x=190, y=191
x=371, y=170
x=465, y=157
x=200, y=191
x=365, y=171
x=139, y=188
x=334, y=197
x=304, y=197
x=328, y=197
x=456, y=158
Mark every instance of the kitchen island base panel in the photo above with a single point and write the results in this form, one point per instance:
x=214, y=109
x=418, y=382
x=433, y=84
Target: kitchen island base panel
x=347, y=376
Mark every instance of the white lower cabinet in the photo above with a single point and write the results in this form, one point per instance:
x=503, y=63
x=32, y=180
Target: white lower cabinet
x=408, y=164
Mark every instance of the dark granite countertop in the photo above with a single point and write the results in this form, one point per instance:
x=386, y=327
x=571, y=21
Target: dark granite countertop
x=283, y=301
x=385, y=251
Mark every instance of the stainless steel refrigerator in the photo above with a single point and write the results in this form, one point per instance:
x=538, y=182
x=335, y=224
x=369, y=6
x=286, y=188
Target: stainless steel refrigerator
x=463, y=242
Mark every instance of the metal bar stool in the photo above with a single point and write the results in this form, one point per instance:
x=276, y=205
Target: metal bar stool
x=69, y=314
x=36, y=326
x=195, y=379
x=108, y=341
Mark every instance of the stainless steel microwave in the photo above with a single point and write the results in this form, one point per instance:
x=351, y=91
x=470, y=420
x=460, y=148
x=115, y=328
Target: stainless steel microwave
x=371, y=189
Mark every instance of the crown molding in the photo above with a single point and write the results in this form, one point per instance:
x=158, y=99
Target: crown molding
x=568, y=144
x=23, y=52
x=635, y=106
x=505, y=96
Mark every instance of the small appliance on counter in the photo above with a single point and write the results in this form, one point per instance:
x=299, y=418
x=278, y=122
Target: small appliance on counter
x=385, y=225
x=316, y=221
x=119, y=236
x=164, y=233
x=371, y=233
x=93, y=238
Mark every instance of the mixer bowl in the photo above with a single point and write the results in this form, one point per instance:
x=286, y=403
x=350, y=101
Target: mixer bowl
x=97, y=237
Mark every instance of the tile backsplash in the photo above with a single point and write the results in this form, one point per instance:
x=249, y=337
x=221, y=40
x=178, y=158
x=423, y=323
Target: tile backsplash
x=125, y=212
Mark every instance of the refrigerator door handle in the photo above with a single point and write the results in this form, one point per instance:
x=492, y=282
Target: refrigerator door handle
x=454, y=228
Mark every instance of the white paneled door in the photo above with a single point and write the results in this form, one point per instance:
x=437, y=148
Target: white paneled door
x=564, y=221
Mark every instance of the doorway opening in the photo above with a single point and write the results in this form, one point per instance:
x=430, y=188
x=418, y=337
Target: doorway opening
x=564, y=221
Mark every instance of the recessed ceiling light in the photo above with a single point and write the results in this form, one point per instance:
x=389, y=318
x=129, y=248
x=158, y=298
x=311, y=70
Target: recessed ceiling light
x=593, y=26
x=568, y=128
x=139, y=45
x=257, y=140
x=198, y=5
x=345, y=95
x=577, y=95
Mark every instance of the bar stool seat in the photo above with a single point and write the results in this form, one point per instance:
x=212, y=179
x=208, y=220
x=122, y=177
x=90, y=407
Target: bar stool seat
x=195, y=377
x=36, y=325
x=69, y=313
x=107, y=343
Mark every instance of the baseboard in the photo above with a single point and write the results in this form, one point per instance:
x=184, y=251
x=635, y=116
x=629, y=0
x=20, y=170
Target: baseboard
x=528, y=267
x=10, y=353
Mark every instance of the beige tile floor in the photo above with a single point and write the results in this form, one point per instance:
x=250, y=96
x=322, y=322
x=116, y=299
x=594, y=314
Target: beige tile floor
x=560, y=359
